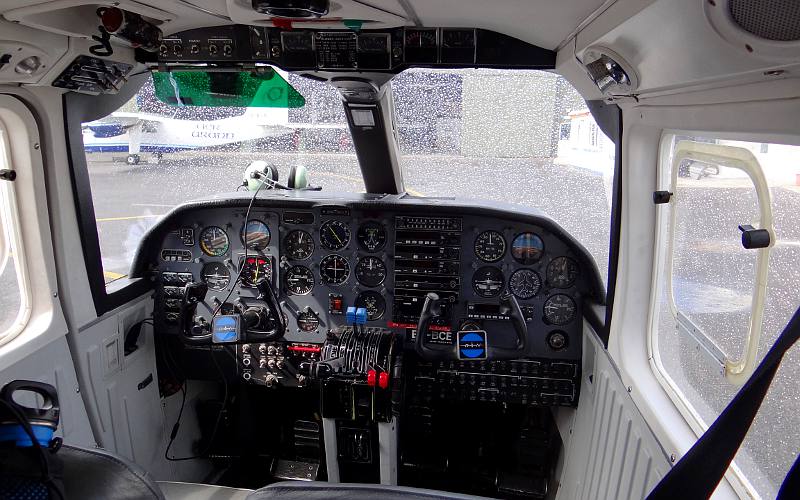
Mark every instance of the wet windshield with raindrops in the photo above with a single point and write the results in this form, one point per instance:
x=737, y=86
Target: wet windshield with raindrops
x=523, y=137
x=517, y=136
x=148, y=157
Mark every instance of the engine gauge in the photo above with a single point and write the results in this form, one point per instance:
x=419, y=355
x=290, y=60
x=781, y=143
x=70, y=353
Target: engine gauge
x=215, y=275
x=373, y=302
x=214, y=241
x=334, y=269
x=562, y=272
x=254, y=270
x=299, y=245
x=299, y=280
x=525, y=283
x=527, y=248
x=488, y=281
x=420, y=38
x=334, y=235
x=255, y=235
x=371, y=236
x=559, y=309
x=370, y=271
x=490, y=246
x=307, y=321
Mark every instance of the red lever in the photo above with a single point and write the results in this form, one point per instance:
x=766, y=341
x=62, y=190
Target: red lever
x=383, y=380
x=371, y=376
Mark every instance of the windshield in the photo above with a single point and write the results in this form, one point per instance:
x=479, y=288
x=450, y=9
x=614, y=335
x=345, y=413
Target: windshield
x=523, y=137
x=148, y=157
x=516, y=136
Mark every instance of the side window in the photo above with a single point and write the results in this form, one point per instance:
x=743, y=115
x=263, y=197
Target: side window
x=14, y=292
x=716, y=301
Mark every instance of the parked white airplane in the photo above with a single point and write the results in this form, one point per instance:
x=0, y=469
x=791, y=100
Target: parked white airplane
x=135, y=132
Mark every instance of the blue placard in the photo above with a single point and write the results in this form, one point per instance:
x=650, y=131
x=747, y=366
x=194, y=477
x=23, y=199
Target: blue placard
x=472, y=345
x=225, y=329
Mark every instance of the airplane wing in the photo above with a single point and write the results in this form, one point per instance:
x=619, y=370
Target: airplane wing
x=317, y=125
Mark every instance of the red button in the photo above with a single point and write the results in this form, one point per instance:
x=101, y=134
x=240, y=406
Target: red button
x=383, y=380
x=371, y=375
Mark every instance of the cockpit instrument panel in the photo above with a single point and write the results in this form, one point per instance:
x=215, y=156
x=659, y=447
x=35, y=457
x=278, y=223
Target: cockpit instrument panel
x=322, y=257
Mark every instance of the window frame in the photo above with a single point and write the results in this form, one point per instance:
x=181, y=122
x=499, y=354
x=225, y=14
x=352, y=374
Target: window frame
x=105, y=297
x=9, y=213
x=661, y=250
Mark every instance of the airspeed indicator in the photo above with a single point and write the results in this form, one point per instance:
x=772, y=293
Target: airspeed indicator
x=490, y=246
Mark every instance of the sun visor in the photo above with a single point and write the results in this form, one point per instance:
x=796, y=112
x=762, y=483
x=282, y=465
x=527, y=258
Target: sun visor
x=226, y=89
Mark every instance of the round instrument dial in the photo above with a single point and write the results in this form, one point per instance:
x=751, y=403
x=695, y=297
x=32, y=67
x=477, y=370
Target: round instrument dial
x=370, y=271
x=490, y=246
x=307, y=321
x=214, y=241
x=255, y=235
x=216, y=275
x=562, y=272
x=299, y=280
x=527, y=248
x=559, y=309
x=371, y=236
x=525, y=283
x=334, y=235
x=488, y=281
x=254, y=270
x=334, y=269
x=373, y=302
x=299, y=245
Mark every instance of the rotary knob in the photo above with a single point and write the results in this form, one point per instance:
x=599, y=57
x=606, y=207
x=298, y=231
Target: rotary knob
x=557, y=340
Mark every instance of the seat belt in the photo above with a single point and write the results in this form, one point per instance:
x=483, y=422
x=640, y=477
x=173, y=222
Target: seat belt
x=698, y=473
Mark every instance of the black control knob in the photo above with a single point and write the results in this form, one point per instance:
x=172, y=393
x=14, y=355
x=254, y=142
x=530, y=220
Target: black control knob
x=557, y=340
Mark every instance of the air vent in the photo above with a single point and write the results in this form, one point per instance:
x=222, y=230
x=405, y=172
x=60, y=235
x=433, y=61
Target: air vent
x=777, y=20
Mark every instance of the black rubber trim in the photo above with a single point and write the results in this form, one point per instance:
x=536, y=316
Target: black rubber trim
x=151, y=242
x=87, y=221
x=595, y=315
x=609, y=119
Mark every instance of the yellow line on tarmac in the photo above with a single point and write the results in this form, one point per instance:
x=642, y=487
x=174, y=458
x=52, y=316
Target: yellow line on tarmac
x=132, y=217
x=112, y=275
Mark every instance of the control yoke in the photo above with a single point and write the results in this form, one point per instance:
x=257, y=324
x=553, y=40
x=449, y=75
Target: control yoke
x=197, y=331
x=432, y=309
x=191, y=332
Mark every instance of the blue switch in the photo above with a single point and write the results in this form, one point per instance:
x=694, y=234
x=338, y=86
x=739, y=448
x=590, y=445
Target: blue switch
x=350, y=316
x=361, y=316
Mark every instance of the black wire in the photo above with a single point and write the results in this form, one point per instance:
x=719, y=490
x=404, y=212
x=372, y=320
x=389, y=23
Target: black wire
x=173, y=435
x=224, y=379
x=244, y=262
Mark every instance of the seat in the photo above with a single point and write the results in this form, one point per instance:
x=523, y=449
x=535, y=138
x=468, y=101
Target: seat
x=91, y=473
x=315, y=490
x=194, y=491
